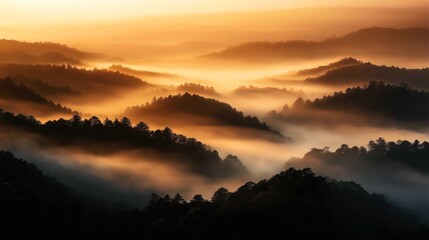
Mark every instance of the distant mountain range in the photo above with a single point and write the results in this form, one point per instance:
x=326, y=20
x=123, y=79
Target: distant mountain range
x=12, y=51
x=361, y=73
x=409, y=43
x=90, y=83
x=350, y=72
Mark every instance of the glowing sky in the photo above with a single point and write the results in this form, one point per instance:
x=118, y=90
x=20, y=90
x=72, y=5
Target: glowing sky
x=60, y=11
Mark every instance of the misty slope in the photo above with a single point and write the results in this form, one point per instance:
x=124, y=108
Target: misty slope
x=195, y=109
x=366, y=72
x=269, y=92
x=378, y=154
x=374, y=104
x=345, y=62
x=115, y=136
x=34, y=205
x=48, y=90
x=398, y=169
x=142, y=73
x=409, y=43
x=100, y=83
x=294, y=203
x=304, y=205
x=12, y=51
x=197, y=89
x=20, y=99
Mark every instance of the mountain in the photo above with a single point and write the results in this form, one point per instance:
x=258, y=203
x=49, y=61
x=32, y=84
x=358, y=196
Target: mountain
x=142, y=73
x=48, y=90
x=374, y=104
x=408, y=43
x=252, y=91
x=197, y=110
x=12, y=51
x=18, y=98
x=197, y=89
x=115, y=136
x=100, y=83
x=325, y=68
x=35, y=205
x=294, y=202
x=411, y=155
x=382, y=166
x=365, y=72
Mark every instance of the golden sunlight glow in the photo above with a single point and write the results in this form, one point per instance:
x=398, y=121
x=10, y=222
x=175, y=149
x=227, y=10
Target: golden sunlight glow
x=54, y=11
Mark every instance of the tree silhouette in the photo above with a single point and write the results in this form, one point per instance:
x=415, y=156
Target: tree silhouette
x=119, y=135
x=296, y=202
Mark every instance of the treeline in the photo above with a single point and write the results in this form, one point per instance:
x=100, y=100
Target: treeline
x=210, y=109
x=18, y=95
x=295, y=204
x=90, y=82
x=119, y=135
x=365, y=72
x=413, y=155
x=198, y=89
x=399, y=103
x=376, y=103
x=349, y=61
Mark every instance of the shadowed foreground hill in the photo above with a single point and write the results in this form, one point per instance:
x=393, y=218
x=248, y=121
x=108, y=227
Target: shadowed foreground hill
x=398, y=169
x=409, y=43
x=374, y=104
x=19, y=98
x=295, y=203
x=36, y=206
x=195, y=109
x=115, y=136
x=366, y=72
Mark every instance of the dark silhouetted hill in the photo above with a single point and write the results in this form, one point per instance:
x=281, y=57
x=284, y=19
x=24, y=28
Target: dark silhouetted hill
x=375, y=104
x=89, y=82
x=197, y=89
x=325, y=68
x=48, y=90
x=12, y=51
x=294, y=202
x=19, y=98
x=397, y=169
x=399, y=103
x=379, y=153
x=265, y=91
x=114, y=136
x=408, y=43
x=37, y=206
x=366, y=72
x=141, y=73
x=189, y=109
x=45, y=58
